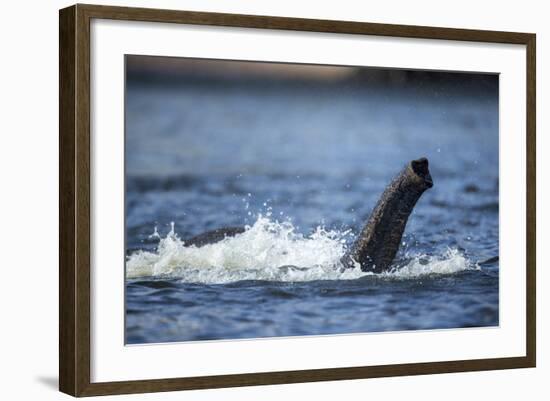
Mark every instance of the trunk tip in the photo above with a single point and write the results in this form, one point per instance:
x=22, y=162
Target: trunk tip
x=420, y=168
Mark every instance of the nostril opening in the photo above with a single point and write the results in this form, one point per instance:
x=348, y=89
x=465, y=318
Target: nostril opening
x=420, y=166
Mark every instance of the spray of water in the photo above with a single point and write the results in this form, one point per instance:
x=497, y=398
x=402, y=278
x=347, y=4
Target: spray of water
x=274, y=251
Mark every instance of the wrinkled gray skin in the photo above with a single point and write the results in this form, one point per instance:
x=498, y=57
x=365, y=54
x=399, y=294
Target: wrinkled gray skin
x=379, y=241
x=211, y=237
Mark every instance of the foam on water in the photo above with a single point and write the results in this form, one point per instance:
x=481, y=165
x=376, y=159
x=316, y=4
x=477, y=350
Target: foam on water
x=273, y=251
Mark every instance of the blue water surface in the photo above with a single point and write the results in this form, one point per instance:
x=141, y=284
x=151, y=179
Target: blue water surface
x=206, y=156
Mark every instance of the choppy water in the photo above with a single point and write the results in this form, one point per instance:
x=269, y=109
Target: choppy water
x=302, y=166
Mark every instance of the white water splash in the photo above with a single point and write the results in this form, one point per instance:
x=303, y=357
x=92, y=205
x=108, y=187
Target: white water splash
x=452, y=261
x=273, y=251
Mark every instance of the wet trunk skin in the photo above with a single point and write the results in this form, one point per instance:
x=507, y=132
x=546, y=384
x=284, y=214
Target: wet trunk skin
x=379, y=241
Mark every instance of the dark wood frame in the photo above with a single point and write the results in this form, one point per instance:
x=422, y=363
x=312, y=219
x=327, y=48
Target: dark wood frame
x=74, y=199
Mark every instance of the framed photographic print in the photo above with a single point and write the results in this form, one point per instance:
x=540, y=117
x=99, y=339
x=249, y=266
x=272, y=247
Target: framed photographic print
x=250, y=200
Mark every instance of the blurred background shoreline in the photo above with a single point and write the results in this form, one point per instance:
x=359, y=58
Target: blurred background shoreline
x=177, y=71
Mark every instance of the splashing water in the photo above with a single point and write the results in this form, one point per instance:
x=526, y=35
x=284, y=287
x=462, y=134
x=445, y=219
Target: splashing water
x=272, y=251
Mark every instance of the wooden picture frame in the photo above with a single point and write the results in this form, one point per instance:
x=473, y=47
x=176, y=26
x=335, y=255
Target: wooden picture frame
x=75, y=200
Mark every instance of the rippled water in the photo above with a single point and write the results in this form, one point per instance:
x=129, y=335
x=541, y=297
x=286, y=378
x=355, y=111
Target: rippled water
x=302, y=166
